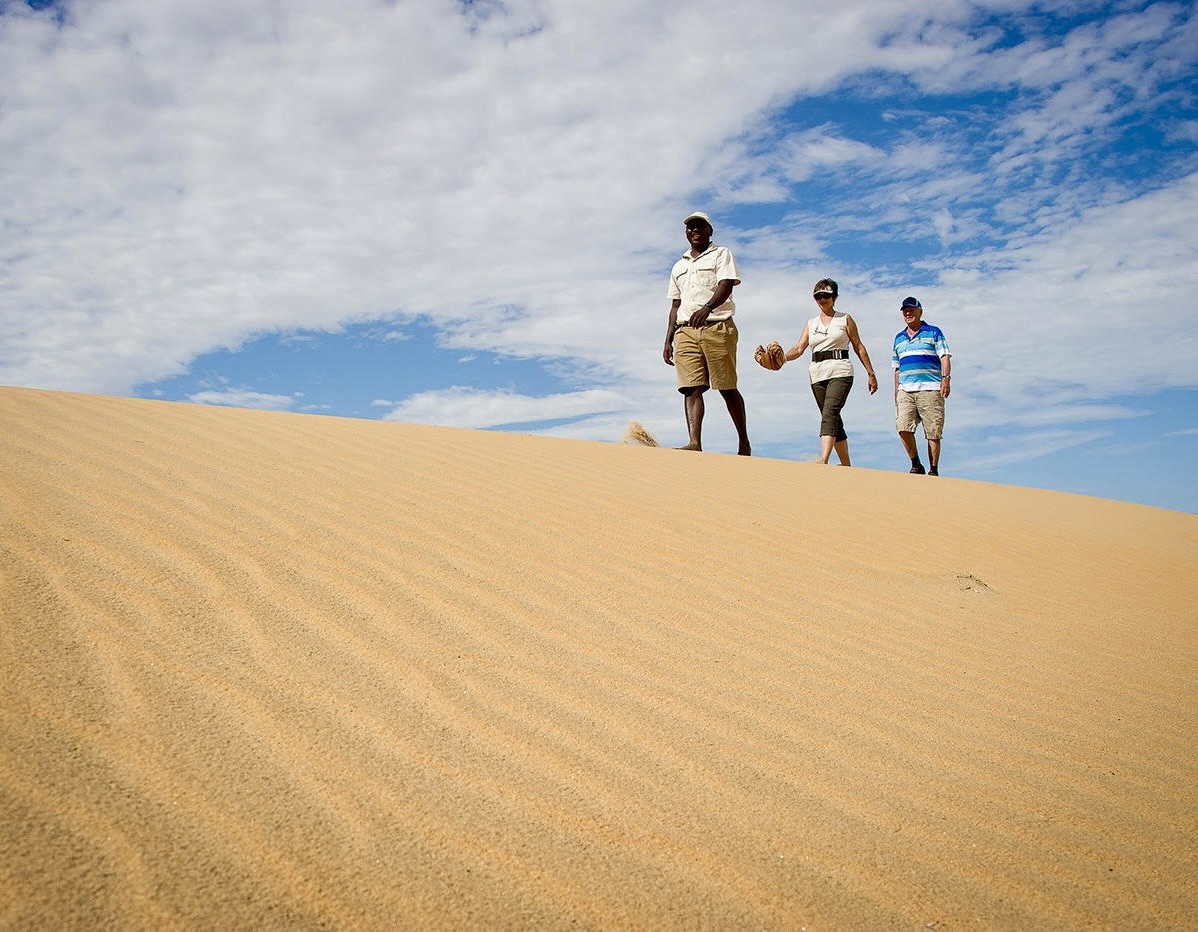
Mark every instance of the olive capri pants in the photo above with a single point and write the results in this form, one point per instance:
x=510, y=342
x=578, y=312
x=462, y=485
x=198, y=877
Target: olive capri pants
x=830, y=396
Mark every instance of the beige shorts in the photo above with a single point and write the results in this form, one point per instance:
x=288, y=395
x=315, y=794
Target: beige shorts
x=914, y=408
x=705, y=357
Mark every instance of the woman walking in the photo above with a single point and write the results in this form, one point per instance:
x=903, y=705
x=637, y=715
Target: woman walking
x=829, y=334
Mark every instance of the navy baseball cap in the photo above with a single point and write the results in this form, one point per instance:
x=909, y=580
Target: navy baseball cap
x=911, y=302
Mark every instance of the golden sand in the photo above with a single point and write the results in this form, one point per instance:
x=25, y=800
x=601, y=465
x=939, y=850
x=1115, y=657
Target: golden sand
x=264, y=670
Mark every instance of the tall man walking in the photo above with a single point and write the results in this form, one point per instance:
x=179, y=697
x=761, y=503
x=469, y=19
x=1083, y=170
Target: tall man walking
x=921, y=384
x=700, y=334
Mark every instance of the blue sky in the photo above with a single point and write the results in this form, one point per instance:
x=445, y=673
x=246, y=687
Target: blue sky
x=464, y=213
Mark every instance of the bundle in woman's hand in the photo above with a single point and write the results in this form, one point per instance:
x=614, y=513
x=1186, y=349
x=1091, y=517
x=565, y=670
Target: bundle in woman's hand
x=770, y=356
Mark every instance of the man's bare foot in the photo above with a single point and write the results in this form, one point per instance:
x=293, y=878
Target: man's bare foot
x=745, y=450
x=691, y=446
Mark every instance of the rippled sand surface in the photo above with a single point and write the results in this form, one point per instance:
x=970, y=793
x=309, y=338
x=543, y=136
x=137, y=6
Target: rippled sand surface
x=263, y=670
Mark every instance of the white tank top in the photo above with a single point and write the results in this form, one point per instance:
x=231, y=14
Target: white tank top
x=834, y=335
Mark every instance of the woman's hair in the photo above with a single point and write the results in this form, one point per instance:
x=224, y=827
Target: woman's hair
x=827, y=284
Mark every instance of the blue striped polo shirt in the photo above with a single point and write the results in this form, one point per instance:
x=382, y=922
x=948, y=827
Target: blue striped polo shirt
x=917, y=358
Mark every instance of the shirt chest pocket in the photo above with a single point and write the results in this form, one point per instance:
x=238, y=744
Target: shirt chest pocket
x=703, y=275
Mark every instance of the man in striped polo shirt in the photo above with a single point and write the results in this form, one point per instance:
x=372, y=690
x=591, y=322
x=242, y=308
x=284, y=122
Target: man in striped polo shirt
x=921, y=384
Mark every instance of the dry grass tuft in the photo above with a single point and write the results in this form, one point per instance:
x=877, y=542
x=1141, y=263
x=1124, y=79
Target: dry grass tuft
x=636, y=433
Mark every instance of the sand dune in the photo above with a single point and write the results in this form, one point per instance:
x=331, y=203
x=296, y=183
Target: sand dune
x=265, y=670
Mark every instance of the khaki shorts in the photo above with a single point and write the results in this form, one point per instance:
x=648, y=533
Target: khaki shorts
x=705, y=357
x=914, y=408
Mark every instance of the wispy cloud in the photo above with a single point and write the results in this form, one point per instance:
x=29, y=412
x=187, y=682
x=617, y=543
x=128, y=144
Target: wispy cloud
x=476, y=408
x=243, y=398
x=1007, y=451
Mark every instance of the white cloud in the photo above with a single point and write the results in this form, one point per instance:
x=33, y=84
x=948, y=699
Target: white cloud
x=477, y=408
x=250, y=166
x=1106, y=293
x=821, y=149
x=1006, y=451
x=244, y=398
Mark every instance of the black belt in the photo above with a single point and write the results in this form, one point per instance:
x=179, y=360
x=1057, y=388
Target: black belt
x=706, y=323
x=824, y=355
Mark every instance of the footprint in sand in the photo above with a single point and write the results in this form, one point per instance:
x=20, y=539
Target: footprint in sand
x=966, y=583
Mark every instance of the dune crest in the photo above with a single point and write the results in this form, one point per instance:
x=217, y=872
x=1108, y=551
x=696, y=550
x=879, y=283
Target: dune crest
x=291, y=671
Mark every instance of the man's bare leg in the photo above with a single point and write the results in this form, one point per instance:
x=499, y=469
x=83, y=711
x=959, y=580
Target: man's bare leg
x=736, y=408
x=694, y=407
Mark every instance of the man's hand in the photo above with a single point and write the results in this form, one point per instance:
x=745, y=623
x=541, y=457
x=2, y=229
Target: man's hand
x=668, y=353
x=699, y=318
